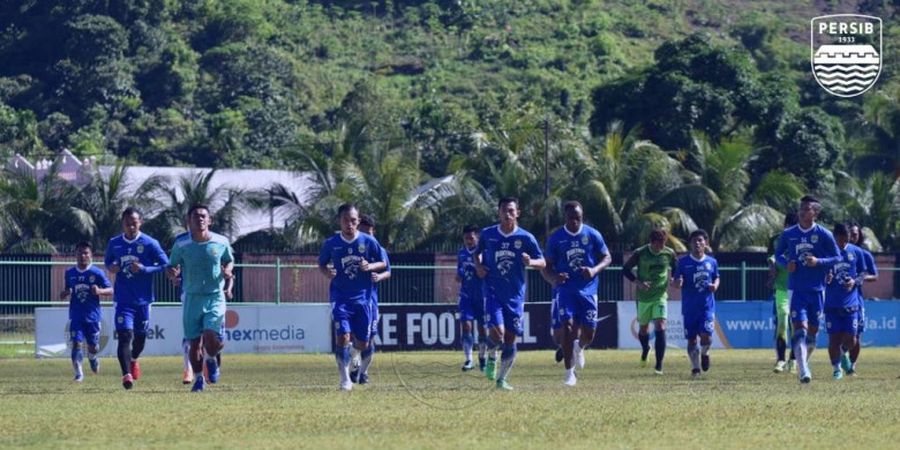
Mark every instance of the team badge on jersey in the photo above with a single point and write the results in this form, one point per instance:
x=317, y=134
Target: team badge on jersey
x=361, y=248
x=140, y=248
x=92, y=278
x=850, y=257
x=814, y=238
x=708, y=266
x=845, y=52
x=584, y=240
x=517, y=244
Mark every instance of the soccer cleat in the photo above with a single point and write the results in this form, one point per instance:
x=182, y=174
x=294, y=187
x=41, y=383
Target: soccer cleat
x=481, y=363
x=127, y=381
x=779, y=366
x=806, y=377
x=187, y=376
x=490, y=370
x=467, y=366
x=838, y=374
x=704, y=362
x=503, y=385
x=199, y=384
x=213, y=368
x=851, y=372
x=658, y=371
x=347, y=385
x=695, y=373
x=559, y=355
x=79, y=377
x=95, y=364
x=571, y=380
x=363, y=378
x=135, y=369
x=354, y=376
x=845, y=362
x=792, y=366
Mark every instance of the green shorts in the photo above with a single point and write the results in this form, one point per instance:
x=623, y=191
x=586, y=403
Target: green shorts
x=201, y=312
x=650, y=311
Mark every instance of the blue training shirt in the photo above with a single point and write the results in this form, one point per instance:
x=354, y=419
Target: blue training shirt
x=852, y=265
x=795, y=244
x=568, y=252
x=84, y=306
x=502, y=255
x=698, y=274
x=351, y=284
x=870, y=269
x=135, y=288
x=471, y=285
x=387, y=268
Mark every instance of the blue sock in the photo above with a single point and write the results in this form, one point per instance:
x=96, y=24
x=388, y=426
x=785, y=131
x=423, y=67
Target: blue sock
x=491, y=347
x=366, y=358
x=507, y=358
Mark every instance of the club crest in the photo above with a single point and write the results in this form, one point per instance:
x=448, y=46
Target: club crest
x=845, y=52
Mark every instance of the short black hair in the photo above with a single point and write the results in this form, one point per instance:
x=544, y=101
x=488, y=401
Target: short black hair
x=698, y=232
x=346, y=207
x=132, y=210
x=841, y=229
x=83, y=244
x=367, y=220
x=817, y=205
x=470, y=229
x=506, y=200
x=571, y=205
x=195, y=207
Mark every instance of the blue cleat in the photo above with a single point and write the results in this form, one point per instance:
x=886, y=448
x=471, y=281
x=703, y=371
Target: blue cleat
x=806, y=377
x=95, y=365
x=704, y=362
x=354, y=375
x=845, y=362
x=199, y=384
x=213, y=368
x=363, y=378
x=481, y=363
x=79, y=377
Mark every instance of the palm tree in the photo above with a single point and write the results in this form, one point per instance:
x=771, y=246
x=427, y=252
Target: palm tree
x=106, y=196
x=873, y=203
x=39, y=213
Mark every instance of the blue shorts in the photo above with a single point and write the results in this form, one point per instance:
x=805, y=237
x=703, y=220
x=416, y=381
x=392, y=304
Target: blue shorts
x=555, y=323
x=842, y=322
x=579, y=308
x=703, y=322
x=806, y=306
x=353, y=318
x=506, y=313
x=133, y=317
x=80, y=331
x=471, y=308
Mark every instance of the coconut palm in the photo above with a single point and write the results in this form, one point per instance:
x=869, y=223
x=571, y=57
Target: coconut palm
x=40, y=213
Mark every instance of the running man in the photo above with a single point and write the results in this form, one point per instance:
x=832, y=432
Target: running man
x=857, y=238
x=842, y=303
x=471, y=299
x=205, y=261
x=348, y=259
x=807, y=250
x=85, y=283
x=134, y=258
x=575, y=255
x=778, y=280
x=360, y=373
x=697, y=274
x=655, y=263
x=504, y=252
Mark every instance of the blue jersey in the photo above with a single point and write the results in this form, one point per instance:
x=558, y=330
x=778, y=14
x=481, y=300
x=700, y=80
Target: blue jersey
x=135, y=288
x=470, y=286
x=870, y=269
x=568, y=252
x=795, y=243
x=852, y=265
x=84, y=306
x=501, y=254
x=350, y=284
x=387, y=268
x=201, y=262
x=698, y=274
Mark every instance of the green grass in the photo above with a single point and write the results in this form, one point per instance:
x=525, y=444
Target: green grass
x=422, y=400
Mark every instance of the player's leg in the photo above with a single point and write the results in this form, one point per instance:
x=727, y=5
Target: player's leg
x=556, y=331
x=192, y=311
x=92, y=338
x=708, y=327
x=213, y=319
x=815, y=310
x=76, y=335
x=660, y=313
x=585, y=317
x=466, y=317
x=853, y=353
x=691, y=331
x=568, y=347
x=362, y=325
x=482, y=342
x=644, y=317
x=340, y=317
x=124, y=335
x=512, y=322
x=141, y=327
x=493, y=313
x=187, y=373
x=835, y=339
x=782, y=312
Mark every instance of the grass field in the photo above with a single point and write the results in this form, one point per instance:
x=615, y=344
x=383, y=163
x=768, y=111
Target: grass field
x=422, y=400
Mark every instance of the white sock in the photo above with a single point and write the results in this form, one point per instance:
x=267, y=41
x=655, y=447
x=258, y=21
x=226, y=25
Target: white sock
x=365, y=363
x=186, y=346
x=482, y=348
x=570, y=372
x=576, y=344
x=467, y=351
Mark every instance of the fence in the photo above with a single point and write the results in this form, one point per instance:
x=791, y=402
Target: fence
x=28, y=282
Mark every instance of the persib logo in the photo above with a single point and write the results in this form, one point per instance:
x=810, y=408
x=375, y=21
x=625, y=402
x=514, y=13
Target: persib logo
x=845, y=53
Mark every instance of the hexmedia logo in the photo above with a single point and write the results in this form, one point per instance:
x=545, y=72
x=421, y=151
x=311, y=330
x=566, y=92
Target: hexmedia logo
x=845, y=53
